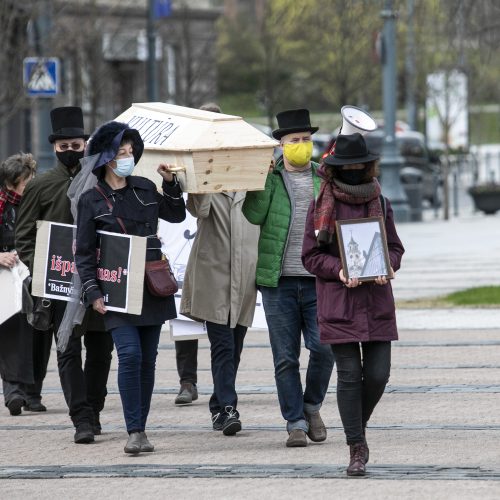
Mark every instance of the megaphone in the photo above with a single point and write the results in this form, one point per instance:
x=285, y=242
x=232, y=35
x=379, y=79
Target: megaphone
x=356, y=120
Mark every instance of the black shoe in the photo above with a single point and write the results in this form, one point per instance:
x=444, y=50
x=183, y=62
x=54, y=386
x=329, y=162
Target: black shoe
x=96, y=425
x=15, y=405
x=35, y=406
x=133, y=445
x=84, y=433
x=217, y=421
x=232, y=423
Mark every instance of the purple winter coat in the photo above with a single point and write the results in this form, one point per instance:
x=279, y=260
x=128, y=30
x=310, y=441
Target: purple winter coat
x=361, y=314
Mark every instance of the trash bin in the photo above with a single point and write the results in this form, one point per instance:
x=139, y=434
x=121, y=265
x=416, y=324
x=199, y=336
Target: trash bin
x=411, y=179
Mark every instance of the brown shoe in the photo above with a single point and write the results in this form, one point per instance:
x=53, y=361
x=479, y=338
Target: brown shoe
x=358, y=460
x=296, y=439
x=187, y=394
x=317, y=429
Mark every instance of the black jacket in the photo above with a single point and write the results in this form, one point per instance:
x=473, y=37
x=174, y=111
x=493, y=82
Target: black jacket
x=139, y=205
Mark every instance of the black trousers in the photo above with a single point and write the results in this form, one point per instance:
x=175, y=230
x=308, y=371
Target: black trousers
x=226, y=345
x=84, y=387
x=186, y=357
x=362, y=374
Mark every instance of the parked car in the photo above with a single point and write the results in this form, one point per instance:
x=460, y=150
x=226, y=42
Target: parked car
x=412, y=148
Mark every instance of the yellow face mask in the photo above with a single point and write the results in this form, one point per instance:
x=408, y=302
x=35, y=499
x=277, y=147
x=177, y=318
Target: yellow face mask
x=298, y=154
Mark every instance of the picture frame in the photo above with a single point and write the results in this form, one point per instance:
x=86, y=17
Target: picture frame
x=363, y=248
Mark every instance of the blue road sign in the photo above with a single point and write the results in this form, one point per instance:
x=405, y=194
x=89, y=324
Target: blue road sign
x=41, y=76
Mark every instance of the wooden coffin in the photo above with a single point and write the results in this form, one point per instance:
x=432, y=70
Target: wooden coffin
x=216, y=152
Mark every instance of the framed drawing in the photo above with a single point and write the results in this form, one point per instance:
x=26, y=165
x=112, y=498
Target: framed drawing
x=363, y=248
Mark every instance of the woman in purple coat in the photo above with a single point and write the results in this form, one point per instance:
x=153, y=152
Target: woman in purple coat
x=357, y=319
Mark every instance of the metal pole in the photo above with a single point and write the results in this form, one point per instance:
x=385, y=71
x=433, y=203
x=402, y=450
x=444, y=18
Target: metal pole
x=391, y=161
x=151, y=63
x=411, y=105
x=45, y=156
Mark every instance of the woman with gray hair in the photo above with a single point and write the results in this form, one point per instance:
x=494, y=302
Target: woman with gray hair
x=21, y=378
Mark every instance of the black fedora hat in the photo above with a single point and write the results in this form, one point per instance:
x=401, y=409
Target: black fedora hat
x=293, y=120
x=350, y=149
x=67, y=123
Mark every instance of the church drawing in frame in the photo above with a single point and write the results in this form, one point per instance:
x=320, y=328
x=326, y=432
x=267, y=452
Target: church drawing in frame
x=363, y=248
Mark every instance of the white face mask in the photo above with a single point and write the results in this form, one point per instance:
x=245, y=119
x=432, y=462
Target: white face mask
x=124, y=166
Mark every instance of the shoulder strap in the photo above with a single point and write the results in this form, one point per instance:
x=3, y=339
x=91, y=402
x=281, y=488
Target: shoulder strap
x=384, y=205
x=110, y=206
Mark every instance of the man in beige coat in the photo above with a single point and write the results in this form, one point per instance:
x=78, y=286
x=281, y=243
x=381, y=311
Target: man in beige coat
x=219, y=288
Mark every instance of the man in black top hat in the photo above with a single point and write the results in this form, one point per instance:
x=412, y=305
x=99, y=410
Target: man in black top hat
x=45, y=198
x=288, y=290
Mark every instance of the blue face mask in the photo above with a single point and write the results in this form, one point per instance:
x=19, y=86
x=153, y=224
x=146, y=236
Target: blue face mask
x=124, y=167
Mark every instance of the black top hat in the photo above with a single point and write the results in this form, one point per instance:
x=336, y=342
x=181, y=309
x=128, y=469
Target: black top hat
x=67, y=123
x=293, y=120
x=350, y=149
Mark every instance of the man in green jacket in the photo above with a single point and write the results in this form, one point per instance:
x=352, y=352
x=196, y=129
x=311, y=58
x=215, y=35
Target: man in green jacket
x=288, y=290
x=45, y=198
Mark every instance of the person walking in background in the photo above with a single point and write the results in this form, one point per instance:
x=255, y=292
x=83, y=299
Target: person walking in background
x=22, y=349
x=219, y=288
x=186, y=351
x=288, y=290
x=357, y=319
x=123, y=203
x=45, y=198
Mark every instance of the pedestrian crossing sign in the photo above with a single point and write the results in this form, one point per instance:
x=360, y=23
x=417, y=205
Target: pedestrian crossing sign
x=41, y=76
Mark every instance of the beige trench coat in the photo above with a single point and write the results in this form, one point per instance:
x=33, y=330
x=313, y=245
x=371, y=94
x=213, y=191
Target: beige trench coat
x=219, y=283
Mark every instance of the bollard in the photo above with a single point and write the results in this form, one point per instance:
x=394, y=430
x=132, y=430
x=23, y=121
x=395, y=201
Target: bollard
x=411, y=179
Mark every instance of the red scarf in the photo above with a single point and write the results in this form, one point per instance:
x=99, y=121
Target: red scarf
x=325, y=214
x=7, y=196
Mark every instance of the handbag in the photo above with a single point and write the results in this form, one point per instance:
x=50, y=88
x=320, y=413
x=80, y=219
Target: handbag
x=41, y=317
x=159, y=277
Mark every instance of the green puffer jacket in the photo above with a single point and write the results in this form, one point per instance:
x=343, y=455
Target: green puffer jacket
x=271, y=210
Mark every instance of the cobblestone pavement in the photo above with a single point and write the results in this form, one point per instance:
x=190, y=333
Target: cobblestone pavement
x=435, y=434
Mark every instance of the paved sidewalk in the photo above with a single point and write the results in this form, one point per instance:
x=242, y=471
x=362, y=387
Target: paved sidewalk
x=435, y=434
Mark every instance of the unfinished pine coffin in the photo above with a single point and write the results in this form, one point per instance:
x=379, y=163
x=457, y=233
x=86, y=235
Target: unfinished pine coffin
x=215, y=152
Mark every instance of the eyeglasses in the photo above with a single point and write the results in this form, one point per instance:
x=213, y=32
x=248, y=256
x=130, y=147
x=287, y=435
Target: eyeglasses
x=75, y=146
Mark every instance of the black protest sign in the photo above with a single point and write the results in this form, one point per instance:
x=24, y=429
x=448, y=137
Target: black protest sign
x=59, y=264
x=113, y=262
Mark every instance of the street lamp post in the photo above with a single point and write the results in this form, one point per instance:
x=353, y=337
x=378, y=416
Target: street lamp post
x=151, y=63
x=391, y=161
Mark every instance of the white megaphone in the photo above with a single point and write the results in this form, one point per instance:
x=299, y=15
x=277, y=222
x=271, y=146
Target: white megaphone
x=356, y=120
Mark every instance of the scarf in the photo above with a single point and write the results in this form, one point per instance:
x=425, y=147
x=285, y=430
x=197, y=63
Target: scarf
x=7, y=196
x=325, y=213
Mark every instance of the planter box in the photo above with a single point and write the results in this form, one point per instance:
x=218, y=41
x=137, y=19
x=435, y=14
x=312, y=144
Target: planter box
x=217, y=152
x=488, y=201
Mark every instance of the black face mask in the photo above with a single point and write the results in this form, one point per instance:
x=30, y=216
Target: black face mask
x=69, y=158
x=352, y=177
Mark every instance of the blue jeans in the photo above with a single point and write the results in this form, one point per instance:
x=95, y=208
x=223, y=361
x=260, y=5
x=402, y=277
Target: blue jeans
x=226, y=344
x=291, y=310
x=137, y=347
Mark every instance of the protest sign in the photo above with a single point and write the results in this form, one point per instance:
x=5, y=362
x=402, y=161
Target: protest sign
x=11, y=284
x=120, y=270
x=177, y=240
x=54, y=262
x=120, y=266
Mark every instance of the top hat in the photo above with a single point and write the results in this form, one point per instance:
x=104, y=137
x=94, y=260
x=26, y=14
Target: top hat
x=293, y=120
x=106, y=140
x=67, y=123
x=350, y=149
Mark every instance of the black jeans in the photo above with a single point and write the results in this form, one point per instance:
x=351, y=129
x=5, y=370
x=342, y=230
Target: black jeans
x=226, y=345
x=186, y=357
x=360, y=383
x=84, y=388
